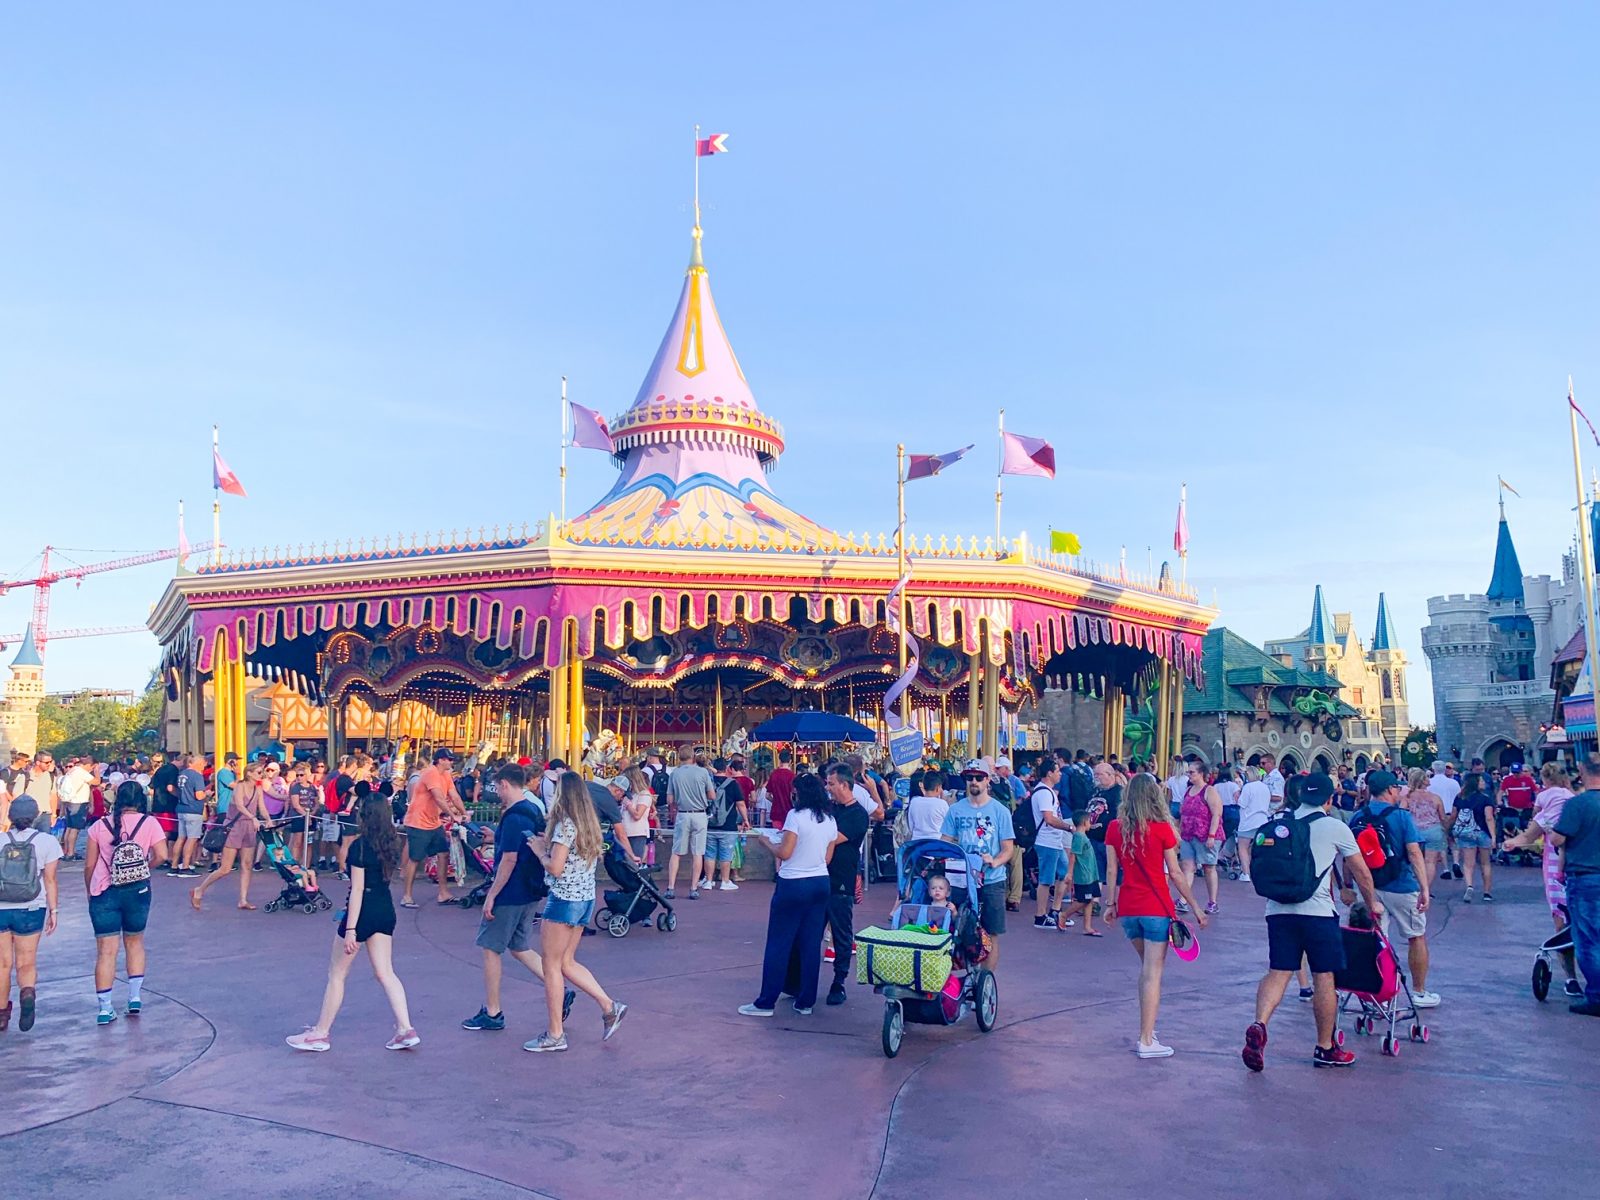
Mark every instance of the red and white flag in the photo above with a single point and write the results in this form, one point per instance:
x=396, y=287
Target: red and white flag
x=1021, y=455
x=589, y=429
x=717, y=143
x=222, y=477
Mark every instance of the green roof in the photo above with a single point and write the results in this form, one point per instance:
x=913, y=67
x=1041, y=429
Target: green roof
x=1233, y=665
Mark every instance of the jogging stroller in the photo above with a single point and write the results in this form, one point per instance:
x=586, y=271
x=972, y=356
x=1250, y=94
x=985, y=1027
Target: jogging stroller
x=634, y=898
x=300, y=888
x=1559, y=943
x=1372, y=985
x=926, y=962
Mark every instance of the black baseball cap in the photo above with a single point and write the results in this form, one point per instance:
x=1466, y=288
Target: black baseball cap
x=444, y=752
x=1316, y=788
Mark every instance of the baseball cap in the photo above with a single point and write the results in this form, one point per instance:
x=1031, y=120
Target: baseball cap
x=1316, y=789
x=444, y=752
x=1003, y=761
x=612, y=781
x=975, y=767
x=1379, y=782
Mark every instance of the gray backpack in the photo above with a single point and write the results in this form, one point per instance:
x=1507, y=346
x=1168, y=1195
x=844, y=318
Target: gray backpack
x=19, y=870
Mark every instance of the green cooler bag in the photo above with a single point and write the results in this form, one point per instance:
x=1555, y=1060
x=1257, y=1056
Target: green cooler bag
x=907, y=957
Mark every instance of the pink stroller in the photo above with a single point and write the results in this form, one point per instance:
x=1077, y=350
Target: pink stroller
x=1373, y=987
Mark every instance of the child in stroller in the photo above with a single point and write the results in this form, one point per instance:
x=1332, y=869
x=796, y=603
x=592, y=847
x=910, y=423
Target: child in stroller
x=1557, y=947
x=634, y=898
x=300, y=888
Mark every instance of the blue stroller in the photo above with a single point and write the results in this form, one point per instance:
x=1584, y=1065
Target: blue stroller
x=926, y=963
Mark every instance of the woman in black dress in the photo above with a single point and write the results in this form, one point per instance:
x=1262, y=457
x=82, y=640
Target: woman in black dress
x=368, y=920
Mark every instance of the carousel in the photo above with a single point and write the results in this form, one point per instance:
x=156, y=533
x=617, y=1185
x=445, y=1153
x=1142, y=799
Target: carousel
x=689, y=604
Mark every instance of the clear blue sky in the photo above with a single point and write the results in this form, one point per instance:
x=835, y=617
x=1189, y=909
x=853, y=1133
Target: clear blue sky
x=1329, y=265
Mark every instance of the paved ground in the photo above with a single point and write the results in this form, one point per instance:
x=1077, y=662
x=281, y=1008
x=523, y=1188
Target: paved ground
x=692, y=1100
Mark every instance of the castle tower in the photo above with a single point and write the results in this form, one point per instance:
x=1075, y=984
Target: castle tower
x=1508, y=612
x=694, y=448
x=19, y=713
x=1389, y=662
x=1320, y=634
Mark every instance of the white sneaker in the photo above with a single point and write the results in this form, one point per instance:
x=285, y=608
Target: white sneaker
x=1425, y=999
x=728, y=886
x=1152, y=1049
x=750, y=1010
x=1244, y=879
x=705, y=885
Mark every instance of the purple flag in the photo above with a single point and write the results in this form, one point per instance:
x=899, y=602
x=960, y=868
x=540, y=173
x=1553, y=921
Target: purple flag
x=1027, y=456
x=589, y=429
x=1180, y=534
x=924, y=466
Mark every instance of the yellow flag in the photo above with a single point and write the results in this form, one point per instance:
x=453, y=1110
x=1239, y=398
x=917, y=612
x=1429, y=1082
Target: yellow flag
x=1062, y=542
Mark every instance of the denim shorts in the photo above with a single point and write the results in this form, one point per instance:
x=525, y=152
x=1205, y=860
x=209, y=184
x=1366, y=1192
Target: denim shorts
x=1151, y=929
x=568, y=912
x=1475, y=840
x=22, y=922
x=1052, y=865
x=1197, y=850
x=1432, y=839
x=120, y=910
x=720, y=845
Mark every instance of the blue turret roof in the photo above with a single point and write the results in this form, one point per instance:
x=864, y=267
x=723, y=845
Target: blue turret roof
x=28, y=656
x=1381, y=635
x=1506, y=583
x=1321, y=631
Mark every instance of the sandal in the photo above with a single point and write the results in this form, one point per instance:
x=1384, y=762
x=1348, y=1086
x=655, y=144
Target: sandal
x=409, y=904
x=1092, y=933
x=194, y=898
x=246, y=906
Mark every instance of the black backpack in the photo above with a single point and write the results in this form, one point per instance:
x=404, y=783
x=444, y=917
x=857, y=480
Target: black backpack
x=1394, y=854
x=727, y=795
x=658, y=785
x=1080, y=786
x=1282, y=867
x=1024, y=829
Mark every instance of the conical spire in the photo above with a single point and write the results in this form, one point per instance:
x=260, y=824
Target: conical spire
x=1381, y=639
x=694, y=447
x=1320, y=633
x=28, y=655
x=1506, y=582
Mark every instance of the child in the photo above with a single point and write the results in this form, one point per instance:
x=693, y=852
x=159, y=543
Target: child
x=1085, y=872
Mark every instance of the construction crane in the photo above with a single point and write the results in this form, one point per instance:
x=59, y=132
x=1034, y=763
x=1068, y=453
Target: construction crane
x=47, y=578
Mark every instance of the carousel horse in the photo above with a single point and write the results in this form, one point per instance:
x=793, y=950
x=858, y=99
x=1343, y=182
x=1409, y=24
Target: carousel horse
x=605, y=754
x=736, y=744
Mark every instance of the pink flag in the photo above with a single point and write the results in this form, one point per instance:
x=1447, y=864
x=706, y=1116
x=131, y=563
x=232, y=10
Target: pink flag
x=1180, y=535
x=222, y=476
x=1572, y=400
x=924, y=466
x=183, y=537
x=1027, y=456
x=589, y=429
x=717, y=143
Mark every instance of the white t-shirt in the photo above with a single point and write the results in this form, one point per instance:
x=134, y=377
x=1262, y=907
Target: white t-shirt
x=74, y=786
x=1176, y=787
x=1275, y=783
x=1255, y=802
x=640, y=826
x=1447, y=790
x=1044, y=800
x=925, y=815
x=46, y=850
x=866, y=799
x=1227, y=792
x=812, y=839
x=1330, y=839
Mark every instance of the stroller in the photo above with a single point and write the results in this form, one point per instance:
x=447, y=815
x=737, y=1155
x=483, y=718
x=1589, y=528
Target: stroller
x=881, y=863
x=635, y=897
x=469, y=851
x=1372, y=984
x=1229, y=864
x=1512, y=822
x=1559, y=943
x=300, y=888
x=932, y=975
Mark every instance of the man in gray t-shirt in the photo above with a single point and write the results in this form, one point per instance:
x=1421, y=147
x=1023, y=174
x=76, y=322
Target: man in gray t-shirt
x=689, y=793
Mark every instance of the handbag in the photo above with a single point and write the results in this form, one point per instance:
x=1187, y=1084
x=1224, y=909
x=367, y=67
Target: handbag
x=215, y=837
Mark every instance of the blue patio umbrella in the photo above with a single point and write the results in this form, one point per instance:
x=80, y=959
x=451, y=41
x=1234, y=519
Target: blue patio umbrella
x=809, y=728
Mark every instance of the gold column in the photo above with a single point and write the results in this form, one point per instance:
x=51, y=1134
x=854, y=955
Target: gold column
x=558, y=703
x=241, y=738
x=991, y=708
x=221, y=693
x=575, y=706
x=1111, y=742
x=1162, y=713
x=1177, y=710
x=974, y=683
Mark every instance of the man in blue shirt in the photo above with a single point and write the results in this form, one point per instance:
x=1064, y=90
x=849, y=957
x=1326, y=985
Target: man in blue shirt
x=509, y=908
x=1405, y=897
x=982, y=827
x=1577, y=834
x=226, y=777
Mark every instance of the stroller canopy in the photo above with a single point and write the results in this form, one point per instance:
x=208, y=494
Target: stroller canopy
x=937, y=850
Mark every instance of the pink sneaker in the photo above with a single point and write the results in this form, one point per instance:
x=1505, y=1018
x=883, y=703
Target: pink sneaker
x=310, y=1040
x=403, y=1040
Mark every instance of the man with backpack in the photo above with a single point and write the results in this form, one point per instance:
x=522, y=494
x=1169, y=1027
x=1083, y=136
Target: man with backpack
x=726, y=817
x=1292, y=866
x=1391, y=846
x=1037, y=824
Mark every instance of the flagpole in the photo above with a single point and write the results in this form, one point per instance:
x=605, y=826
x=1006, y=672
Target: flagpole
x=1183, y=554
x=183, y=539
x=1585, y=549
x=563, y=526
x=697, y=177
x=999, y=480
x=216, y=501
x=900, y=570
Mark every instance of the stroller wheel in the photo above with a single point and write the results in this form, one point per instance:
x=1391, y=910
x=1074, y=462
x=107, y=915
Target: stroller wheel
x=601, y=917
x=1338, y=1037
x=324, y=903
x=894, y=1028
x=617, y=926
x=1419, y=1033
x=309, y=906
x=466, y=901
x=986, y=997
x=1391, y=1045
x=1541, y=979
x=667, y=922
x=272, y=906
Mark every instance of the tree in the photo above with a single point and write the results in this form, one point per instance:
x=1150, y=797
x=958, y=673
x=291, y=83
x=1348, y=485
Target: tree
x=1420, y=748
x=101, y=727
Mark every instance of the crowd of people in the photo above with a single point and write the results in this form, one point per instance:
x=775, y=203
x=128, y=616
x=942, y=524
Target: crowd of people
x=1094, y=838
